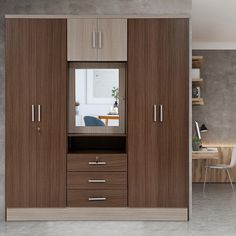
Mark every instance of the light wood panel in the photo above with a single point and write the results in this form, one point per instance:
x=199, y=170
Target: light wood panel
x=80, y=39
x=20, y=130
x=108, y=213
x=113, y=39
x=158, y=73
x=214, y=175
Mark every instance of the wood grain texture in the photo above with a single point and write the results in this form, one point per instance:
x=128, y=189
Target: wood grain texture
x=97, y=213
x=20, y=130
x=158, y=73
x=79, y=38
x=114, y=39
x=113, y=198
x=214, y=175
x=36, y=74
x=51, y=73
x=80, y=162
x=82, y=180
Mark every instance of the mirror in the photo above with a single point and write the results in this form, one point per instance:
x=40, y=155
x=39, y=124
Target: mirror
x=97, y=97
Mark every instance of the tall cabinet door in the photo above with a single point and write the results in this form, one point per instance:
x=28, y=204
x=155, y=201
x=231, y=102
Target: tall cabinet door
x=158, y=112
x=20, y=121
x=35, y=112
x=51, y=80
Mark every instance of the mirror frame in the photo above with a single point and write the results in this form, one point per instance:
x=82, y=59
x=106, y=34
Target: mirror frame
x=72, y=129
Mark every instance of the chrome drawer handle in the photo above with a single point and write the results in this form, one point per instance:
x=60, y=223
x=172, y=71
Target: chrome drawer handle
x=97, y=163
x=97, y=199
x=97, y=181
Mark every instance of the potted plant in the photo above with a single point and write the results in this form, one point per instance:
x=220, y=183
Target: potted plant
x=196, y=143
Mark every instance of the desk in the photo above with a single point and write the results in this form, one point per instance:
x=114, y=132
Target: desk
x=206, y=154
x=222, y=155
x=201, y=158
x=108, y=117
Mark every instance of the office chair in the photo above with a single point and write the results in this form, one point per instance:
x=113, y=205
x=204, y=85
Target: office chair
x=93, y=121
x=223, y=167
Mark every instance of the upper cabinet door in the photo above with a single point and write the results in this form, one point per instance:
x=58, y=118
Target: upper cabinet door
x=81, y=39
x=112, y=39
x=97, y=39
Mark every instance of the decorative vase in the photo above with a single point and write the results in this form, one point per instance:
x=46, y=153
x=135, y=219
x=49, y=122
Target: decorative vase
x=196, y=146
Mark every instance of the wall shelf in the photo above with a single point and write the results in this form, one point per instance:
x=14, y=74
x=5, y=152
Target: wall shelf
x=197, y=101
x=197, y=81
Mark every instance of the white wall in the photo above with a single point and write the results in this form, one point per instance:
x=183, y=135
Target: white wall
x=214, y=24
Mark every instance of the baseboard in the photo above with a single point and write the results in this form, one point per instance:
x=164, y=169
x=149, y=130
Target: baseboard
x=83, y=213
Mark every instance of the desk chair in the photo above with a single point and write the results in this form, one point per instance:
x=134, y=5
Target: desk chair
x=223, y=167
x=93, y=121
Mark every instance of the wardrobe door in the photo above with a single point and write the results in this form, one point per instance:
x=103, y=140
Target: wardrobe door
x=158, y=85
x=112, y=39
x=174, y=98
x=51, y=79
x=20, y=124
x=81, y=35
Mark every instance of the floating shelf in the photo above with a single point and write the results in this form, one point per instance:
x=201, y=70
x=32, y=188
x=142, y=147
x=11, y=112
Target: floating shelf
x=197, y=61
x=197, y=101
x=197, y=81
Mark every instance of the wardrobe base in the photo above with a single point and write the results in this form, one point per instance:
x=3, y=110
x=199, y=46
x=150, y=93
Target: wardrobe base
x=84, y=213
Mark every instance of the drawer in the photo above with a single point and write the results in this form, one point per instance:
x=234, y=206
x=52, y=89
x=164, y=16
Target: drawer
x=99, y=162
x=96, y=198
x=96, y=180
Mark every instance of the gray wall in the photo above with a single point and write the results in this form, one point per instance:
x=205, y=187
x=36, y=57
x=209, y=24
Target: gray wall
x=160, y=7
x=219, y=93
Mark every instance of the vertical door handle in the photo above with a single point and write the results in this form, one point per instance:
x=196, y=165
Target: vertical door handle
x=39, y=113
x=93, y=39
x=155, y=113
x=100, y=40
x=32, y=113
x=161, y=113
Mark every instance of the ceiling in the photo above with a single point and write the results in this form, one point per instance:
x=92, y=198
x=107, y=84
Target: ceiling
x=214, y=24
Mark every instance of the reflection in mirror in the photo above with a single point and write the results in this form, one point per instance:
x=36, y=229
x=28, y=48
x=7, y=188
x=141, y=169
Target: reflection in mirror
x=97, y=97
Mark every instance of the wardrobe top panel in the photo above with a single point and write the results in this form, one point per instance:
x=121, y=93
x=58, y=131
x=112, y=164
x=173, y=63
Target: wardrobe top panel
x=100, y=16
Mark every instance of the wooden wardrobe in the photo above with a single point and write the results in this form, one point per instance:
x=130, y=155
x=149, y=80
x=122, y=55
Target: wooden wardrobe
x=139, y=174
x=36, y=84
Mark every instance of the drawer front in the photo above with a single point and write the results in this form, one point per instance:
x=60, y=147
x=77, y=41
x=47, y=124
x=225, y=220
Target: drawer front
x=99, y=162
x=96, y=180
x=97, y=198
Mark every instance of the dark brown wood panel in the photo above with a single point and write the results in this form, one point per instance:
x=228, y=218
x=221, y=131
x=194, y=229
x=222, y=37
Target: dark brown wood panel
x=111, y=198
x=20, y=130
x=51, y=80
x=96, y=180
x=158, y=74
x=96, y=162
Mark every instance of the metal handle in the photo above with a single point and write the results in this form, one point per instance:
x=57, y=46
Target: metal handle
x=97, y=163
x=32, y=113
x=100, y=40
x=161, y=113
x=155, y=113
x=93, y=39
x=97, y=181
x=97, y=199
x=39, y=113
